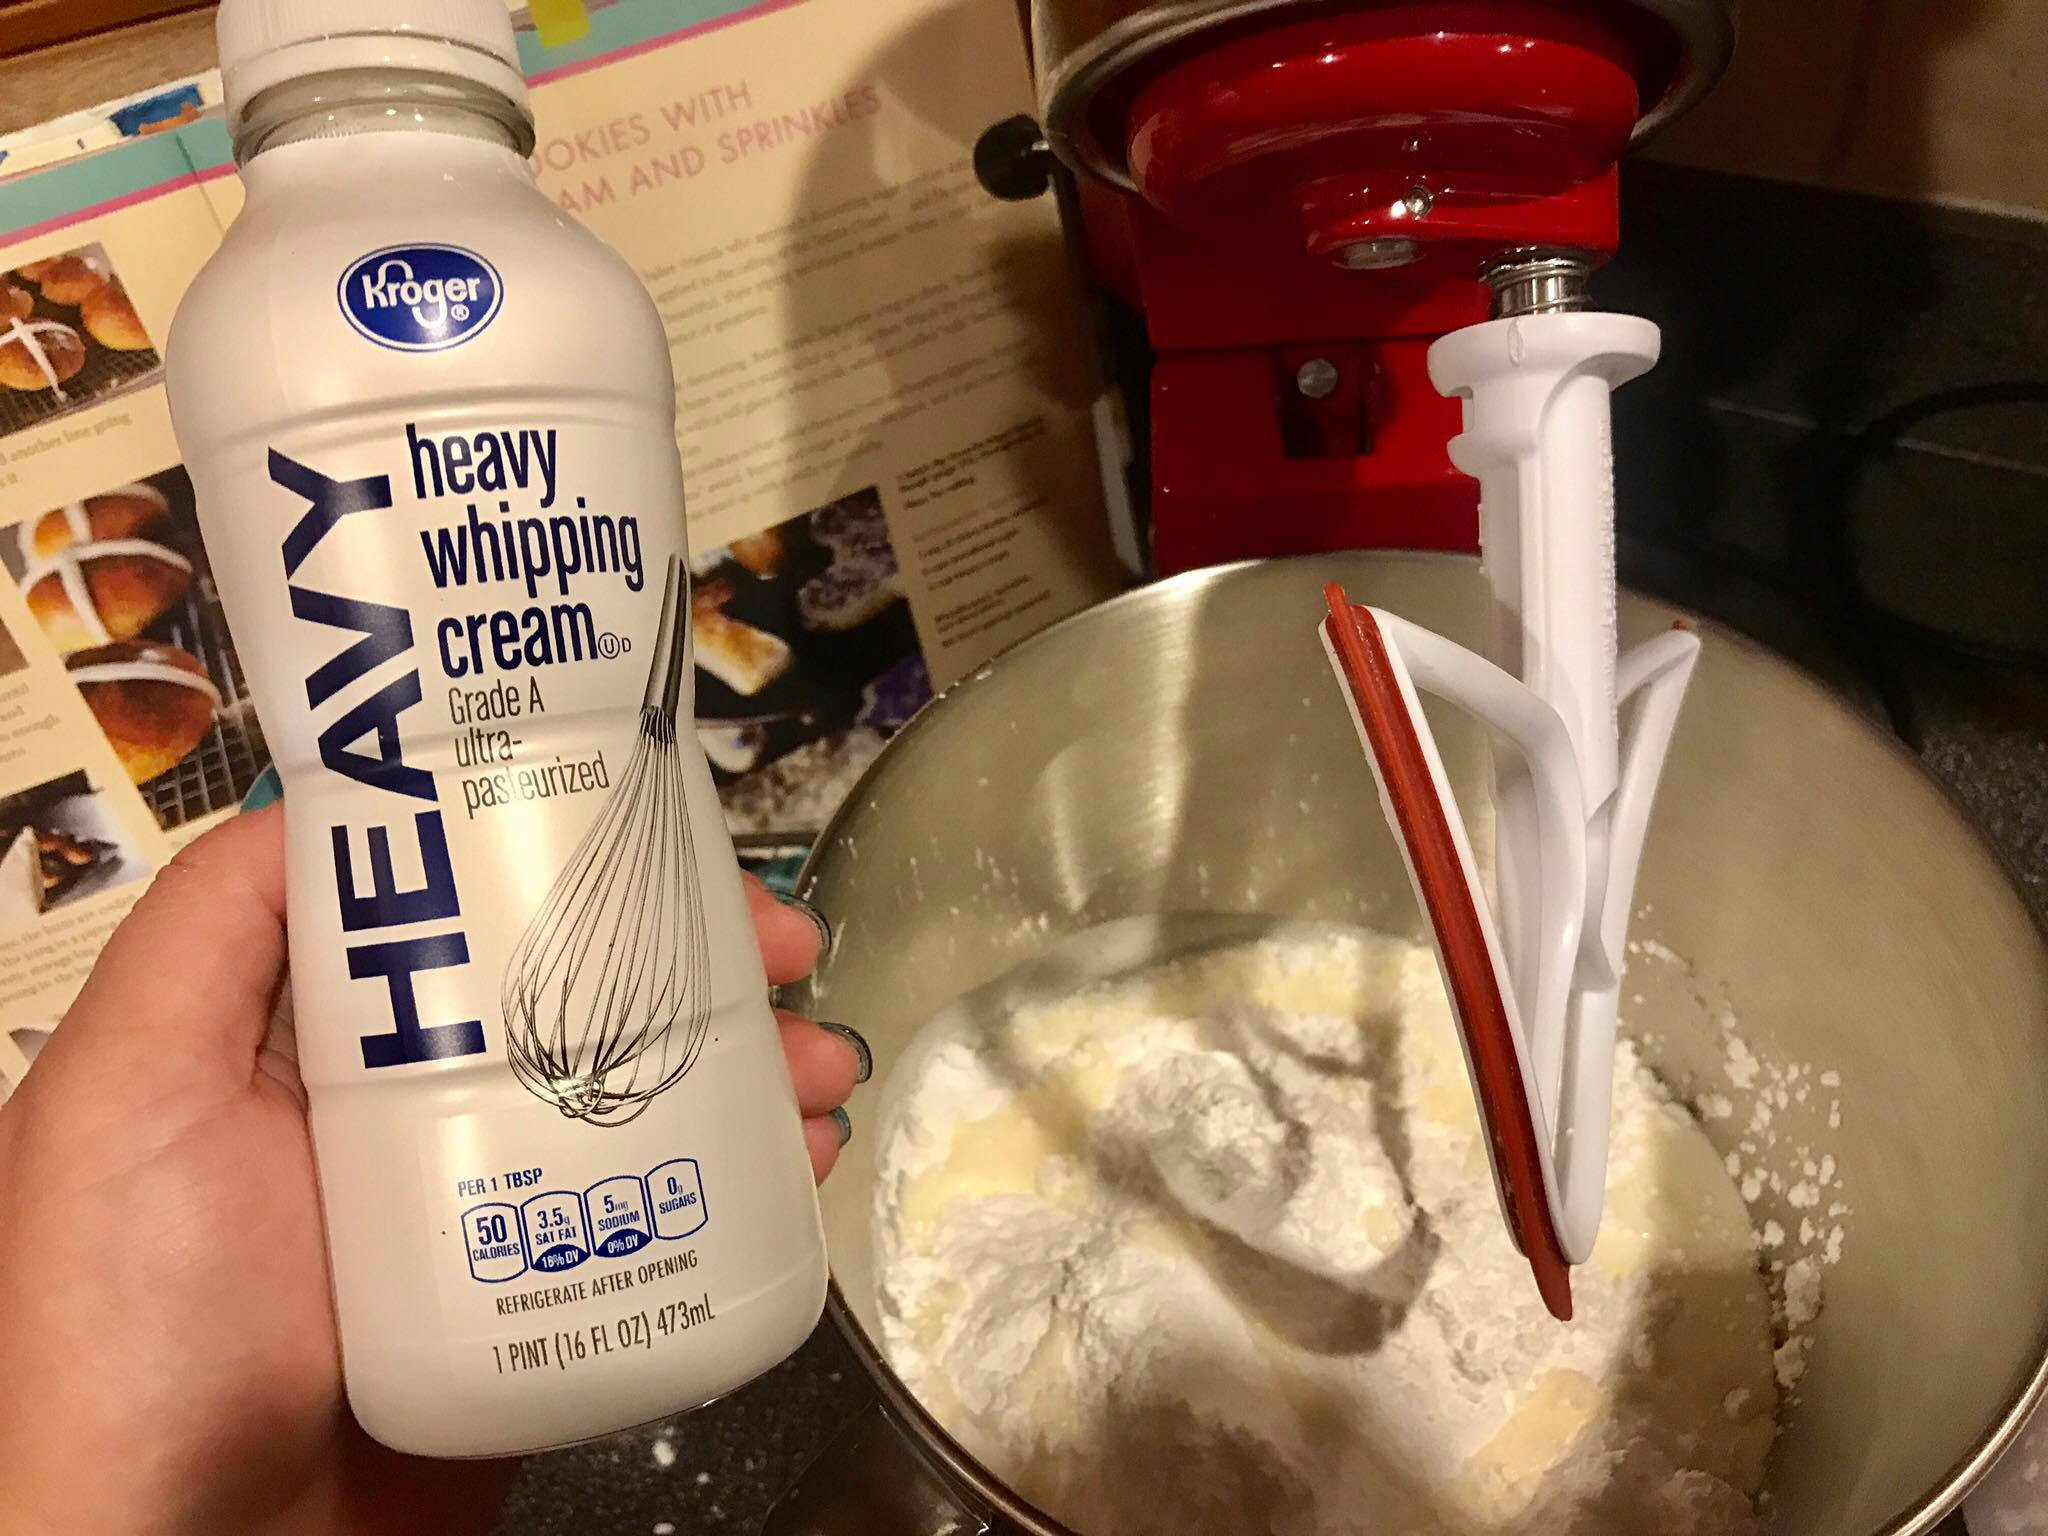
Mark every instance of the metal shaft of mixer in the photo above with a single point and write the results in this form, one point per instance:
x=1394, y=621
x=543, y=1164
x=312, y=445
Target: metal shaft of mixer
x=1537, y=280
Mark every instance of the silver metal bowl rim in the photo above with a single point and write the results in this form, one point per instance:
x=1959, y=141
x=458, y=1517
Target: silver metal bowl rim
x=1704, y=27
x=960, y=1465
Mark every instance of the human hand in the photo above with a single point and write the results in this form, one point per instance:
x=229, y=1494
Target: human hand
x=168, y=1358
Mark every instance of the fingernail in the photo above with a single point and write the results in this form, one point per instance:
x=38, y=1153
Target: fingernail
x=267, y=790
x=817, y=919
x=864, y=1058
x=842, y=1122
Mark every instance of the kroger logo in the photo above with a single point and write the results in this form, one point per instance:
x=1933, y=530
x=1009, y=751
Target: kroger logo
x=421, y=298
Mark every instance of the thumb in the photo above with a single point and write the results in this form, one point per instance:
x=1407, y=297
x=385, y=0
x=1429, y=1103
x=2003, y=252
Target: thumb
x=192, y=973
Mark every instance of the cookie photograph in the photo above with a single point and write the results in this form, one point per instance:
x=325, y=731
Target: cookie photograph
x=60, y=842
x=807, y=661
x=69, y=337
x=118, y=584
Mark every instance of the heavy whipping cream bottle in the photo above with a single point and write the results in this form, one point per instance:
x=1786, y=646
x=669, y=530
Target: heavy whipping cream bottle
x=430, y=421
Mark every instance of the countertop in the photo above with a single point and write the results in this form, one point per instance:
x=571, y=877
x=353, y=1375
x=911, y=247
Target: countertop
x=709, y=1473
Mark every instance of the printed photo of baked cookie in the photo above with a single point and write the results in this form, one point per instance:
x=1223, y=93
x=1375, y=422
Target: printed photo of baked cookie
x=862, y=578
x=110, y=319
x=740, y=656
x=72, y=278
x=761, y=553
x=60, y=842
x=126, y=512
x=808, y=660
x=118, y=584
x=70, y=337
x=889, y=702
x=112, y=589
x=40, y=355
x=21, y=878
x=154, y=702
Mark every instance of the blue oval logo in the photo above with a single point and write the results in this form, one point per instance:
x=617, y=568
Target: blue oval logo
x=421, y=298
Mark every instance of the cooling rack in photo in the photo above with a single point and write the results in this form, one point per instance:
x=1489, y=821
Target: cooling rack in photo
x=118, y=584
x=69, y=337
x=60, y=842
x=807, y=662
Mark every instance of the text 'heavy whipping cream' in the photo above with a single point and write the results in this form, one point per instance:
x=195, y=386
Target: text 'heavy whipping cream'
x=430, y=421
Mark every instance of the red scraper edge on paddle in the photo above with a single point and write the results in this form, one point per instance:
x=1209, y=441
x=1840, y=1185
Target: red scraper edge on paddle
x=1414, y=805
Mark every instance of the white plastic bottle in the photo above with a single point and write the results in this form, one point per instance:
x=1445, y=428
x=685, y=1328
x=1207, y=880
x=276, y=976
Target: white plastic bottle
x=430, y=422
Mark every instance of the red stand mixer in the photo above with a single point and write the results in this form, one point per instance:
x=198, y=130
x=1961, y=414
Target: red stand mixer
x=1299, y=196
x=1359, y=235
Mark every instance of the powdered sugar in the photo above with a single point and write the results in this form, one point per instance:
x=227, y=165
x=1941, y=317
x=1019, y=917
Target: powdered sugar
x=1783, y=1176
x=1742, y=1064
x=1653, y=948
x=1215, y=1249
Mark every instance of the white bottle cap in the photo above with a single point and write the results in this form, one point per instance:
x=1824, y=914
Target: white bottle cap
x=266, y=42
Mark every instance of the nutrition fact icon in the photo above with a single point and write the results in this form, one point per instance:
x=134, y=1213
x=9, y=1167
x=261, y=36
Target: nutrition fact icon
x=556, y=1234
x=618, y=1217
x=678, y=1189
x=560, y=1229
x=491, y=1233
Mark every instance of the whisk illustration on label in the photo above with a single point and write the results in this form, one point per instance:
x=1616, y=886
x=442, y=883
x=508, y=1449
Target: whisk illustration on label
x=607, y=997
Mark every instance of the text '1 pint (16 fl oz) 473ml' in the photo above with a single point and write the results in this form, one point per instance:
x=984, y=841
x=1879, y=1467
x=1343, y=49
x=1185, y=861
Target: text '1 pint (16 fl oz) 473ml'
x=430, y=423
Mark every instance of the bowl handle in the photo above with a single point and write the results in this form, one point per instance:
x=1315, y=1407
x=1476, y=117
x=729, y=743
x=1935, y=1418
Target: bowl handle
x=871, y=1481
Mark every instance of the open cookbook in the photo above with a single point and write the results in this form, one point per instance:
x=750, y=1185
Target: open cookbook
x=883, y=403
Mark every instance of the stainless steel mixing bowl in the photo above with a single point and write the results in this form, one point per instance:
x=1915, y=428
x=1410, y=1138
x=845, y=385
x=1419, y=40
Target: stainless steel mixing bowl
x=1183, y=750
